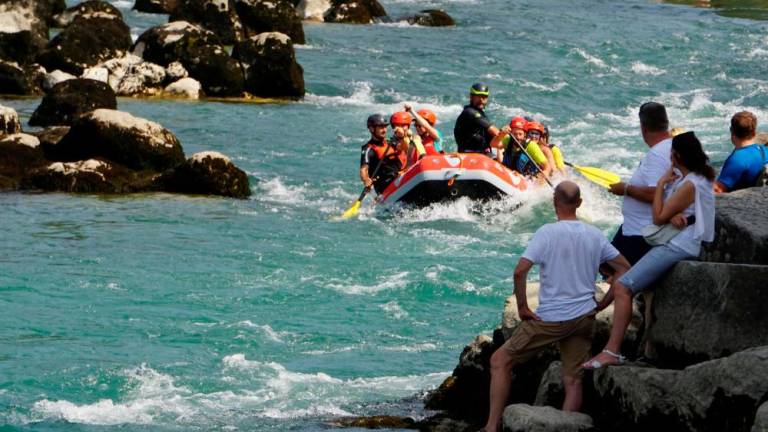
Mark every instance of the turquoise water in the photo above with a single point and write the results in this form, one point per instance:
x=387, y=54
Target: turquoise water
x=162, y=312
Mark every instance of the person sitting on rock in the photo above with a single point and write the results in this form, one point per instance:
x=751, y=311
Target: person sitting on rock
x=516, y=130
x=747, y=160
x=380, y=161
x=431, y=138
x=403, y=138
x=568, y=253
x=690, y=195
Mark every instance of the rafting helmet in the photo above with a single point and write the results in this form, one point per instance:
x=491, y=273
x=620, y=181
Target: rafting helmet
x=479, y=89
x=517, y=123
x=377, y=120
x=400, y=118
x=428, y=115
x=534, y=126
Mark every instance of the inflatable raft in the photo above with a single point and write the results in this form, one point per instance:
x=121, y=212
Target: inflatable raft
x=447, y=177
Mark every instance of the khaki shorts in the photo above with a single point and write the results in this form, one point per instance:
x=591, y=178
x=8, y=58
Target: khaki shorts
x=574, y=338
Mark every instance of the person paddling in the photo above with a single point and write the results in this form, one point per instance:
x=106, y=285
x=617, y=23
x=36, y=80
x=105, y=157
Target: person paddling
x=425, y=121
x=526, y=162
x=515, y=129
x=380, y=162
x=473, y=131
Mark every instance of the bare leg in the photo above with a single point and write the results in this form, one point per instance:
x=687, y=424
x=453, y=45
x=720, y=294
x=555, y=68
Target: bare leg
x=622, y=314
x=501, y=381
x=647, y=324
x=573, y=393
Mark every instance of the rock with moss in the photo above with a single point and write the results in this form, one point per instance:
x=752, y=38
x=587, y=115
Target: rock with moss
x=262, y=16
x=218, y=16
x=90, y=8
x=70, y=99
x=269, y=63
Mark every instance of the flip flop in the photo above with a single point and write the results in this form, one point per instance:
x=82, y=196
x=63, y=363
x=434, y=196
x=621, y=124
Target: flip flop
x=594, y=364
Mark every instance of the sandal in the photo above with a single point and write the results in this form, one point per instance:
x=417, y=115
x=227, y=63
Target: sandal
x=596, y=364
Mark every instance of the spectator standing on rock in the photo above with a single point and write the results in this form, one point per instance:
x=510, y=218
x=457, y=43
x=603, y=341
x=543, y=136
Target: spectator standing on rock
x=568, y=253
x=747, y=160
x=473, y=131
x=639, y=191
x=380, y=161
x=691, y=194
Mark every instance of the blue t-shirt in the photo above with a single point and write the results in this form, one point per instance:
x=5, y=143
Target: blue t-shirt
x=743, y=166
x=438, y=143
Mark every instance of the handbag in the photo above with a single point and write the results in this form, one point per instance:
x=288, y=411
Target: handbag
x=657, y=235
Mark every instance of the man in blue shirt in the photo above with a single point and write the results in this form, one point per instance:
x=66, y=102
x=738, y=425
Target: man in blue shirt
x=748, y=158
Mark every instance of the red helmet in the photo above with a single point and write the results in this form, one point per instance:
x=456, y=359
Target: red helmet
x=428, y=115
x=517, y=123
x=400, y=118
x=534, y=125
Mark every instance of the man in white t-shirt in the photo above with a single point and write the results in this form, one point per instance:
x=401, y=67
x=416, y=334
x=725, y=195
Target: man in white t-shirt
x=568, y=253
x=638, y=192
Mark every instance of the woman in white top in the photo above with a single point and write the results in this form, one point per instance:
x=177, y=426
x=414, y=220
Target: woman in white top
x=690, y=195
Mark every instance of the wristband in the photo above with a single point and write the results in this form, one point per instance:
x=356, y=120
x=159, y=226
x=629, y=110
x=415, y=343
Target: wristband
x=626, y=189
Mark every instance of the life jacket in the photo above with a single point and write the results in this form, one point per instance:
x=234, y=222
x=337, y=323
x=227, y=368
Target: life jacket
x=387, y=153
x=517, y=160
x=429, y=145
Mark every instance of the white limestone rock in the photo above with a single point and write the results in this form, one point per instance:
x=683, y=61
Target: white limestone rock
x=55, y=77
x=313, y=10
x=188, y=88
x=9, y=121
x=96, y=73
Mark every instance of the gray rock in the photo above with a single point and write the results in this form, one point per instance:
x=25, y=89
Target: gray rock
x=20, y=80
x=208, y=173
x=23, y=29
x=21, y=153
x=49, y=138
x=526, y=418
x=70, y=99
x=188, y=88
x=136, y=143
x=175, y=71
x=263, y=16
x=354, y=11
x=55, y=77
x=269, y=63
x=9, y=121
x=717, y=395
x=761, y=419
x=709, y=310
x=142, y=79
x=90, y=8
x=217, y=16
x=551, y=391
x=87, y=176
x=431, y=18
x=87, y=41
x=741, y=228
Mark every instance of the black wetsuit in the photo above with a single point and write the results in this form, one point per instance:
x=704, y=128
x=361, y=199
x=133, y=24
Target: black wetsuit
x=471, y=131
x=375, y=152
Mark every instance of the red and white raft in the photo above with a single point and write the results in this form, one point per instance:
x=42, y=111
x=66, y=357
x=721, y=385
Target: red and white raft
x=447, y=177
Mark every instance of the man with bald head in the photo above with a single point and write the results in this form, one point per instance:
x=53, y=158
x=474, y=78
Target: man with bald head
x=568, y=253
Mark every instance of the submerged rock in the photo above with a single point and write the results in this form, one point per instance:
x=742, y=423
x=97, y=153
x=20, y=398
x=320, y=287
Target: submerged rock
x=198, y=51
x=86, y=42
x=134, y=142
x=741, y=228
x=209, y=173
x=70, y=99
x=270, y=66
x=431, y=18
x=709, y=310
x=354, y=11
x=263, y=16
x=526, y=418
x=90, y=8
x=217, y=16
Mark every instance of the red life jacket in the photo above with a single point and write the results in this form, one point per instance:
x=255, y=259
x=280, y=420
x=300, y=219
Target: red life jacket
x=388, y=152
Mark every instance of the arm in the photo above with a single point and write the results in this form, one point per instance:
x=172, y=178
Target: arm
x=498, y=141
x=520, y=276
x=367, y=182
x=721, y=188
x=550, y=159
x=538, y=157
x=620, y=265
x=640, y=193
x=679, y=201
x=423, y=123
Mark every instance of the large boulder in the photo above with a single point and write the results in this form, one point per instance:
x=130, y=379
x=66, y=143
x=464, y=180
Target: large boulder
x=134, y=142
x=21, y=153
x=49, y=138
x=87, y=41
x=70, y=99
x=526, y=418
x=761, y=419
x=313, y=10
x=717, y=395
x=217, y=16
x=208, y=173
x=156, y=6
x=198, y=50
x=144, y=78
x=186, y=88
x=23, y=29
x=87, y=176
x=9, y=121
x=354, y=11
x=431, y=18
x=709, y=310
x=261, y=16
x=20, y=80
x=741, y=228
x=90, y=8
x=270, y=67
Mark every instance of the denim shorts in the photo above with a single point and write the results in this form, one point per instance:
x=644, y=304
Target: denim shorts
x=652, y=266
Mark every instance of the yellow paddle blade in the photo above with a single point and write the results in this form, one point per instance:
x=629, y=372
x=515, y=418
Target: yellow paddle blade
x=598, y=176
x=352, y=211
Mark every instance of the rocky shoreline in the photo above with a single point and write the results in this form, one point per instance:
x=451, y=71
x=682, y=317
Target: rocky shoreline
x=708, y=369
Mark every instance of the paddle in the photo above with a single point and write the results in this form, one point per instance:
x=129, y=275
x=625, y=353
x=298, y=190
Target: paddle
x=531, y=159
x=596, y=175
x=355, y=207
